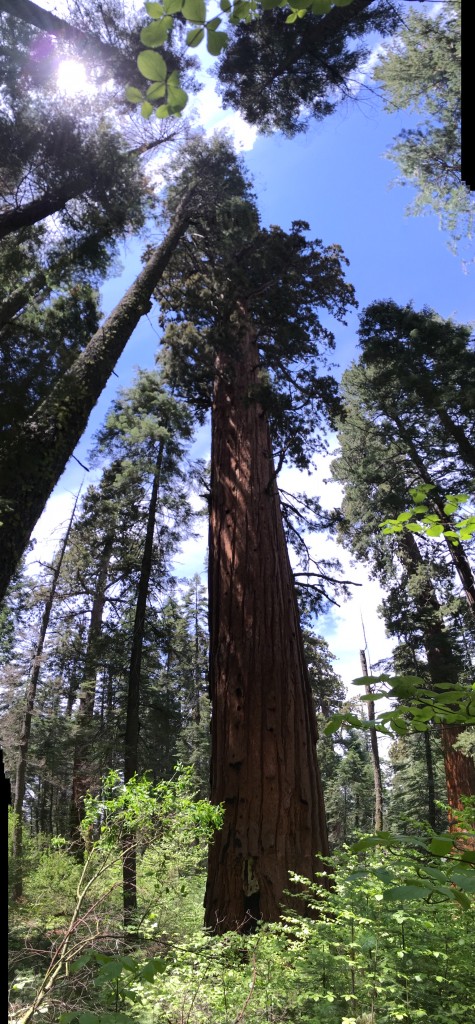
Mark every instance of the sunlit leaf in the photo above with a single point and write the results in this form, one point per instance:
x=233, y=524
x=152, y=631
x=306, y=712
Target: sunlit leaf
x=152, y=65
x=133, y=95
x=195, y=11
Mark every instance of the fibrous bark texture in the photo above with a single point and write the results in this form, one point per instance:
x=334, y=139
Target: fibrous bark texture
x=264, y=764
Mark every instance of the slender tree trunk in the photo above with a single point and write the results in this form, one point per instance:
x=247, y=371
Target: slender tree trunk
x=31, y=465
x=443, y=668
x=264, y=763
x=378, y=786
x=431, y=815
x=132, y=724
x=25, y=732
x=83, y=763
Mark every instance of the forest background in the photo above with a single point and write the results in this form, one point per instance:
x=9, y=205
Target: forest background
x=79, y=694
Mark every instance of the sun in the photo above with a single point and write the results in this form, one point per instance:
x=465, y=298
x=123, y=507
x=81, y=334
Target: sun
x=72, y=79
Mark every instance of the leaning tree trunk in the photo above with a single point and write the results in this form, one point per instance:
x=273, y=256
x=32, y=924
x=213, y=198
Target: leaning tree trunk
x=443, y=668
x=88, y=43
x=33, y=461
x=25, y=732
x=132, y=723
x=264, y=763
x=31, y=213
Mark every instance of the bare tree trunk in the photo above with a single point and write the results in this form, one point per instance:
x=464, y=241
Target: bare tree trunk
x=32, y=463
x=83, y=763
x=25, y=732
x=132, y=725
x=378, y=786
x=264, y=763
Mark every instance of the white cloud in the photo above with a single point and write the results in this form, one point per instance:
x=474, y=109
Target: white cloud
x=208, y=107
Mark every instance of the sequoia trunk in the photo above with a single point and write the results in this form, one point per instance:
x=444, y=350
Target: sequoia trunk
x=264, y=764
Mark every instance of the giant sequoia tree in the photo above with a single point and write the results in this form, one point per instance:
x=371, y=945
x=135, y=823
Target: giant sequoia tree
x=243, y=339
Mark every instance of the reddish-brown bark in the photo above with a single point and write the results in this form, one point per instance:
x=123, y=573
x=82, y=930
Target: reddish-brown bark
x=264, y=764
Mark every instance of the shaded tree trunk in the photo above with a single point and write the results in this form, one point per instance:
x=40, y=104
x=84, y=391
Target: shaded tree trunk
x=431, y=813
x=444, y=667
x=378, y=786
x=464, y=445
x=20, y=782
x=83, y=762
x=264, y=763
x=32, y=463
x=456, y=551
x=132, y=725
x=38, y=209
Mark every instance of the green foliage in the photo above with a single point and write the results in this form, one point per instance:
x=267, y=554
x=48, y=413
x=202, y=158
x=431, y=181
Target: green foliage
x=420, y=71
x=419, y=519
x=450, y=703
x=249, y=14
x=366, y=956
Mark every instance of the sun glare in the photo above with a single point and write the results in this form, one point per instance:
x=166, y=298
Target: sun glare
x=72, y=80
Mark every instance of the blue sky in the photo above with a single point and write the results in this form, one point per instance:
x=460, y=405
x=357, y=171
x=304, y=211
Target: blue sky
x=336, y=177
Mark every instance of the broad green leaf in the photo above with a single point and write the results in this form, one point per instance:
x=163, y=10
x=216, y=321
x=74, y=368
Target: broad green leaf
x=156, y=33
x=241, y=9
x=146, y=109
x=110, y=971
x=152, y=967
x=80, y=962
x=154, y=10
x=461, y=898
x=333, y=724
x=194, y=36
x=226, y=5
x=468, y=856
x=299, y=5
x=291, y=18
x=194, y=11
x=88, y=1018
x=156, y=91
x=321, y=6
x=415, y=527
x=177, y=97
x=464, y=880
x=172, y=6
x=163, y=111
x=407, y=892
x=434, y=531
x=419, y=509
x=215, y=42
x=152, y=66
x=214, y=24
x=342, y=3
x=266, y=5
x=133, y=95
